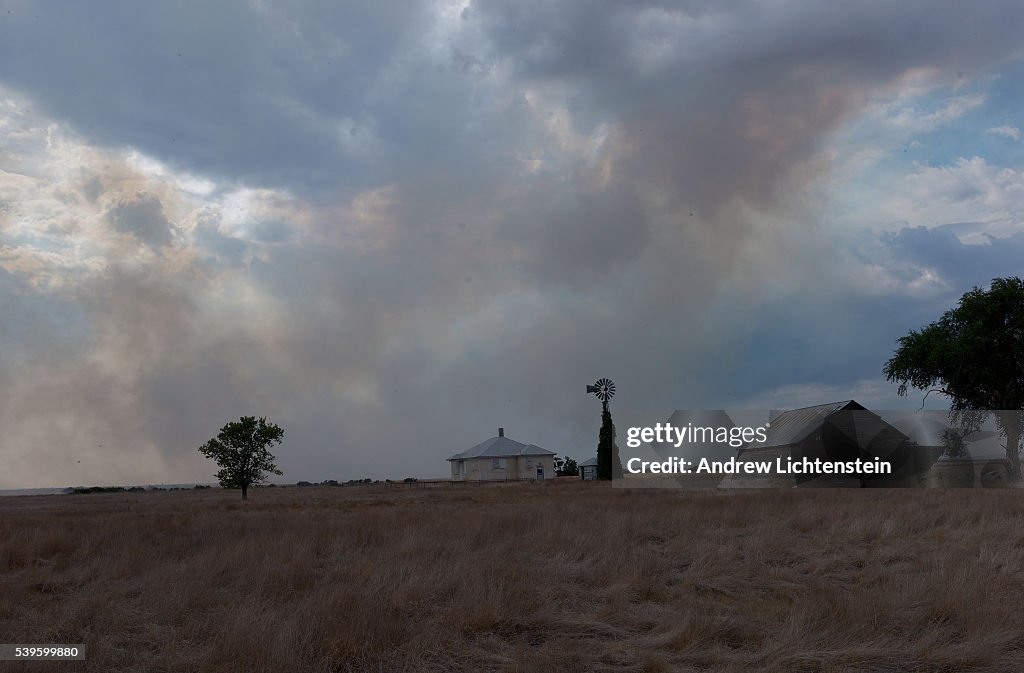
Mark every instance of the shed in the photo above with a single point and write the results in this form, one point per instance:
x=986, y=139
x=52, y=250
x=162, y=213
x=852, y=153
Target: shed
x=588, y=469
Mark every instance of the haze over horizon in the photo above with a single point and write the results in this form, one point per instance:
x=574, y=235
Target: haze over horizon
x=392, y=228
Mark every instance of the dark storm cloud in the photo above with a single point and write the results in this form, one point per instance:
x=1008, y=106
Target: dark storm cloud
x=245, y=90
x=277, y=94
x=653, y=43
x=144, y=218
x=960, y=264
x=578, y=239
x=489, y=212
x=751, y=85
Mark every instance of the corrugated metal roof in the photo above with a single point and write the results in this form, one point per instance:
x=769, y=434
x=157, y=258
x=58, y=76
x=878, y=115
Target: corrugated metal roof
x=501, y=447
x=792, y=427
x=588, y=462
x=534, y=450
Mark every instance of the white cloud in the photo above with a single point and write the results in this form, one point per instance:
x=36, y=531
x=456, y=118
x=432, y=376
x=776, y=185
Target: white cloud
x=915, y=120
x=968, y=190
x=1011, y=132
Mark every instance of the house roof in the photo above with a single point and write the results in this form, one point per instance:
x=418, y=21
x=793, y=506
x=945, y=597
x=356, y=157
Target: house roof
x=588, y=462
x=501, y=447
x=792, y=427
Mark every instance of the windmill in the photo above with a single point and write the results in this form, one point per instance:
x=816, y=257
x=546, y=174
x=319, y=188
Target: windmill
x=604, y=389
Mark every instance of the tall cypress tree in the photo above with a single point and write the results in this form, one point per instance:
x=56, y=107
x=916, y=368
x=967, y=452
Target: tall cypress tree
x=608, y=463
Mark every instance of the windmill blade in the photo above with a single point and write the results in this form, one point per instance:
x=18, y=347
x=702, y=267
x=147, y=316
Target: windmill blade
x=604, y=389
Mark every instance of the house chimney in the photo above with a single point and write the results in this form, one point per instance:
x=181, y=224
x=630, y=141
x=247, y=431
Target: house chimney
x=501, y=432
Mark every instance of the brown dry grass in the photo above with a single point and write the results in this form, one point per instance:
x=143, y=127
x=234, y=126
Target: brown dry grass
x=553, y=577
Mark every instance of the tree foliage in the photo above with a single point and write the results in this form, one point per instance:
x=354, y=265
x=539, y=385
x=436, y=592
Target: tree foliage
x=974, y=354
x=608, y=464
x=241, y=450
x=566, y=467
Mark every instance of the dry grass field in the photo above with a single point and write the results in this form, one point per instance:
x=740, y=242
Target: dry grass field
x=552, y=577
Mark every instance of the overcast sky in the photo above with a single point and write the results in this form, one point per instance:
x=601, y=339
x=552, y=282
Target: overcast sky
x=391, y=227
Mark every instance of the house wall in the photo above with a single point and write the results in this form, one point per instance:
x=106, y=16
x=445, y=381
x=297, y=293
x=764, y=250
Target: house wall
x=483, y=469
x=528, y=466
x=518, y=467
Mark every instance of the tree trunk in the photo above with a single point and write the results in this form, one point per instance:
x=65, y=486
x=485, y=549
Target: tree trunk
x=605, y=444
x=244, y=494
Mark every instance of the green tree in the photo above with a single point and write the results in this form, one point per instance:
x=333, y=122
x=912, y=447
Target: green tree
x=974, y=354
x=566, y=467
x=608, y=464
x=241, y=450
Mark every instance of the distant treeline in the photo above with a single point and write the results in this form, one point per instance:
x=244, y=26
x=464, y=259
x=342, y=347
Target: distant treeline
x=198, y=487
x=130, y=489
x=350, y=482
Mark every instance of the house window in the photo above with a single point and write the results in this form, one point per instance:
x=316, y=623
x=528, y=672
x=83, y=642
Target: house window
x=498, y=464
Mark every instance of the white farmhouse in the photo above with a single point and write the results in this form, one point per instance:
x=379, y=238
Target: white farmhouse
x=502, y=459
